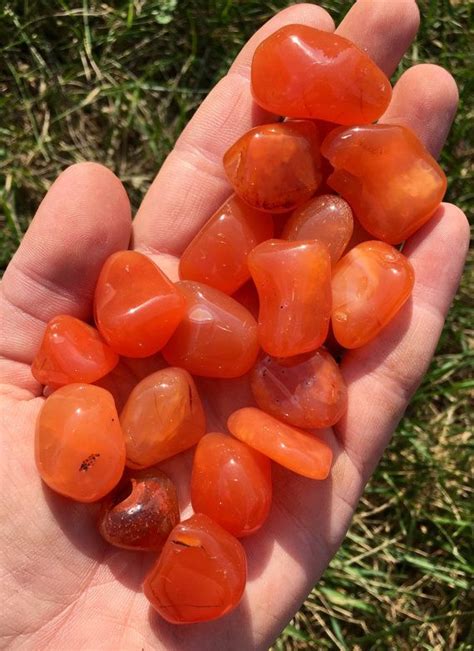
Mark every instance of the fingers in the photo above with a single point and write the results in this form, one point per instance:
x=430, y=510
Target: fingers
x=191, y=185
x=424, y=99
x=383, y=375
x=82, y=220
x=384, y=30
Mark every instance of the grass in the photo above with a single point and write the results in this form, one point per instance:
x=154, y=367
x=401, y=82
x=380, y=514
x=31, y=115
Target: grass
x=116, y=82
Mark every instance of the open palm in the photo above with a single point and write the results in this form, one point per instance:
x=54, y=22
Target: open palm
x=62, y=586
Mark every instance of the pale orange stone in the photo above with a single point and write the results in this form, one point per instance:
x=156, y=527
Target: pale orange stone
x=162, y=417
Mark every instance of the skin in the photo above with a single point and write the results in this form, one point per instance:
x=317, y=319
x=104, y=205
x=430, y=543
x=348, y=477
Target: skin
x=62, y=586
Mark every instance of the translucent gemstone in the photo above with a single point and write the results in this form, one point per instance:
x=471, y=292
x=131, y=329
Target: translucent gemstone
x=390, y=180
x=293, y=281
x=277, y=166
x=79, y=446
x=137, y=308
x=200, y=574
x=370, y=284
x=217, y=256
x=71, y=351
x=302, y=72
x=301, y=452
x=216, y=338
x=162, y=417
x=231, y=483
x=141, y=512
x=127, y=374
x=326, y=218
x=306, y=391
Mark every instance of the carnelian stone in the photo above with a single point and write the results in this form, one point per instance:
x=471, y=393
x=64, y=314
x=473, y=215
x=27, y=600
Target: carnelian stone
x=136, y=307
x=141, y=512
x=162, y=417
x=200, y=574
x=326, y=218
x=302, y=72
x=305, y=391
x=277, y=166
x=216, y=338
x=79, y=446
x=231, y=483
x=391, y=181
x=71, y=351
x=301, y=452
x=293, y=281
x=217, y=256
x=370, y=284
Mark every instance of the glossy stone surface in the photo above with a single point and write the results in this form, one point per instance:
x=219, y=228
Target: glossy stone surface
x=79, y=446
x=200, y=574
x=370, y=284
x=136, y=307
x=293, y=281
x=302, y=452
x=231, y=483
x=302, y=72
x=391, y=181
x=277, y=166
x=327, y=218
x=216, y=338
x=306, y=391
x=71, y=351
x=141, y=512
x=217, y=256
x=162, y=417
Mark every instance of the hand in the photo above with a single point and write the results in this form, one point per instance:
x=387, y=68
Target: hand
x=62, y=586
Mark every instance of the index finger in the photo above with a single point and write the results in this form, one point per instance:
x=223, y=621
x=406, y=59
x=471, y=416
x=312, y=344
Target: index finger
x=191, y=185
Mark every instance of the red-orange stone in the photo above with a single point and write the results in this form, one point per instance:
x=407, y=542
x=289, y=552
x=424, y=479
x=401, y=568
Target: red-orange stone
x=306, y=391
x=136, y=307
x=231, y=483
x=217, y=256
x=391, y=181
x=302, y=72
x=326, y=218
x=370, y=284
x=277, y=166
x=200, y=574
x=301, y=452
x=71, y=351
x=216, y=338
x=293, y=281
x=162, y=417
x=141, y=512
x=79, y=446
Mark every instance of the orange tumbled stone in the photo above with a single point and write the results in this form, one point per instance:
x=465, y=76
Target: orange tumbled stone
x=391, y=181
x=231, y=483
x=302, y=72
x=370, y=284
x=293, y=281
x=71, y=351
x=200, y=574
x=141, y=512
x=306, y=391
x=216, y=338
x=162, y=417
x=301, y=452
x=136, y=307
x=326, y=218
x=217, y=256
x=79, y=445
x=277, y=166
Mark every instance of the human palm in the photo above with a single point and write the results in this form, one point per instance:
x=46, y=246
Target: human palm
x=63, y=587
